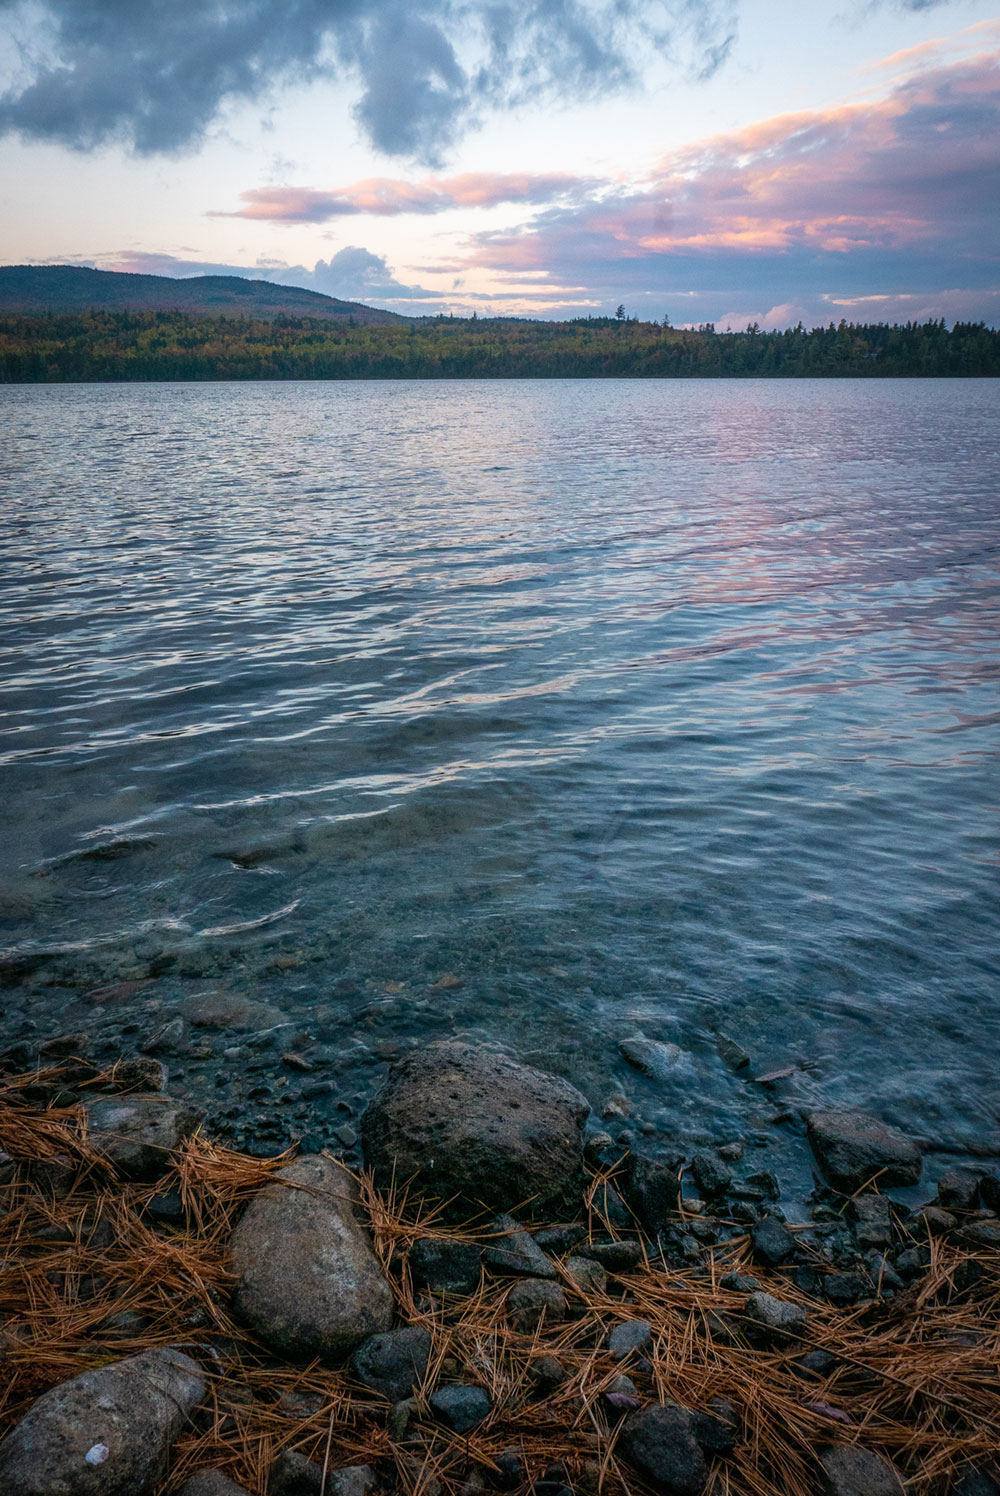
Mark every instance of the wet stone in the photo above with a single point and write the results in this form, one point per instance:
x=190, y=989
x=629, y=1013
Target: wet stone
x=461, y=1407
x=393, y=1363
x=976, y=1483
x=855, y=1149
x=873, y=1220
x=137, y=1134
x=514, y=1250
x=712, y=1176
x=958, y=1189
x=653, y=1190
x=740, y=1283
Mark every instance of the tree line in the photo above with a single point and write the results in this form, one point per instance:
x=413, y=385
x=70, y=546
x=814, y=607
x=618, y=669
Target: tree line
x=127, y=346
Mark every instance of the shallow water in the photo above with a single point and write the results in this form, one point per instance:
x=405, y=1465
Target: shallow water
x=548, y=712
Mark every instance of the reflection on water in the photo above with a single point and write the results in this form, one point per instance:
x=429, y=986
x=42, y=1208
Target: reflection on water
x=635, y=707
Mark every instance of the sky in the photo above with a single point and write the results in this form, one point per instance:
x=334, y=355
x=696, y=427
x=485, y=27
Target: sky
x=722, y=161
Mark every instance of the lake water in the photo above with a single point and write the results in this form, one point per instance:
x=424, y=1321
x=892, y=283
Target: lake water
x=547, y=712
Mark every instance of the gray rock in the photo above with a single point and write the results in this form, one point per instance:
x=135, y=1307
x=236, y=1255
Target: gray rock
x=711, y=1175
x=846, y=1288
x=976, y=1483
x=588, y=1275
x=772, y=1242
x=293, y=1475
x=657, y=1060
x=138, y=1072
x=211, y=1483
x=616, y=1256
x=854, y=1148
x=717, y=1426
x=628, y=1338
x=547, y=1375
x=776, y=1318
x=652, y=1190
x=515, y=1250
x=989, y=1190
x=402, y=1416
x=107, y=1432
x=224, y=1010
x=659, y=1442
x=475, y=1124
x=739, y=1283
x=958, y=1189
x=935, y=1220
x=815, y=1366
x=621, y=1396
x=445, y=1266
x=873, y=1218
x=461, y=1407
x=849, y=1470
x=168, y=1038
x=393, y=1363
x=309, y=1282
x=534, y=1301
x=981, y=1234
x=136, y=1134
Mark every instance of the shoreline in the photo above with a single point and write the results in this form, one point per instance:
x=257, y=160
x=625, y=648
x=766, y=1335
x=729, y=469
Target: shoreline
x=750, y=1347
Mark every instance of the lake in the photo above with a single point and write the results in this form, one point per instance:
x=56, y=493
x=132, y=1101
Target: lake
x=547, y=712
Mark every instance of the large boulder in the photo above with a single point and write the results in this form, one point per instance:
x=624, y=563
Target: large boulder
x=470, y=1123
x=107, y=1432
x=660, y=1442
x=855, y=1148
x=309, y=1283
x=137, y=1134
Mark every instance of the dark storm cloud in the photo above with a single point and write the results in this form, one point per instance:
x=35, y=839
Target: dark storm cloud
x=155, y=75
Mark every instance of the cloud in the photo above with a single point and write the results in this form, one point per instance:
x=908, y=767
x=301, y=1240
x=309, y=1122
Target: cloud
x=387, y=196
x=874, y=199
x=353, y=274
x=155, y=76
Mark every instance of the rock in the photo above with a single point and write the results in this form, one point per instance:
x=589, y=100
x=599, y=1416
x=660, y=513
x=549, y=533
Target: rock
x=211, y=1483
x=989, y=1191
x=652, y=1190
x=309, y=1282
x=855, y=1149
x=107, y=1432
x=711, y=1175
x=514, y=1250
x=849, y=1470
x=445, y=1266
x=533, y=1302
x=402, y=1416
x=739, y=1283
x=137, y=1134
x=731, y=1053
x=629, y=1338
x=393, y=1363
x=510, y=1469
x=846, y=1288
x=717, y=1426
x=772, y=1242
x=660, y=1443
x=224, y=1010
x=547, y=1375
x=776, y=1318
x=616, y=1256
x=958, y=1189
x=350, y=1480
x=873, y=1219
x=560, y=1239
x=474, y=1124
x=293, y=1475
x=169, y=1038
x=935, y=1220
x=815, y=1366
x=766, y=1181
x=659, y=1061
x=461, y=1407
x=588, y=1276
x=621, y=1396
x=138, y=1072
x=981, y=1234
x=976, y=1483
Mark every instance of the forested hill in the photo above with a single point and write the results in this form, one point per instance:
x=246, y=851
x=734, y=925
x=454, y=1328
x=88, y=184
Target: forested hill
x=76, y=288
x=117, y=346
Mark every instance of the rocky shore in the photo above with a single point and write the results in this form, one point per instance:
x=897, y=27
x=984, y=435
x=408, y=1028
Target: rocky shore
x=503, y=1299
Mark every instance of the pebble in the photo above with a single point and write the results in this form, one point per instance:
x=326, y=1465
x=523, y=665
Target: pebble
x=514, y=1250
x=445, y=1266
x=660, y=1443
x=777, y=1318
x=850, y=1470
x=628, y=1338
x=534, y=1302
x=773, y=1243
x=393, y=1363
x=589, y=1276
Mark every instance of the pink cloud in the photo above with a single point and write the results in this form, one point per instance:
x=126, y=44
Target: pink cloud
x=386, y=196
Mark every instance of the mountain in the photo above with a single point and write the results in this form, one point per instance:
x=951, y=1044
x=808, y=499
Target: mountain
x=74, y=288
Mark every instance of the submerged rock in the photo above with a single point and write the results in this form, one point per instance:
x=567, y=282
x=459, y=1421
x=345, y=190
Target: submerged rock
x=472, y=1123
x=107, y=1432
x=659, y=1441
x=309, y=1282
x=655, y=1059
x=137, y=1134
x=855, y=1148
